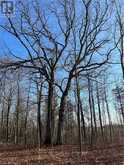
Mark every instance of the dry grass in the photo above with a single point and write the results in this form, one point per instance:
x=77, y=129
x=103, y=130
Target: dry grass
x=61, y=155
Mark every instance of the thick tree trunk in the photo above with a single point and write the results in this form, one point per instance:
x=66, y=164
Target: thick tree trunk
x=48, y=136
x=61, y=121
x=53, y=118
x=61, y=111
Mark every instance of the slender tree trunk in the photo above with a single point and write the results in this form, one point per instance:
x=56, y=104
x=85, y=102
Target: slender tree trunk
x=94, y=113
x=78, y=114
x=122, y=50
x=39, y=115
x=17, y=114
x=108, y=113
x=83, y=123
x=2, y=111
x=121, y=104
x=26, y=116
x=2, y=120
x=99, y=110
x=91, y=114
x=7, y=120
x=17, y=124
x=25, y=125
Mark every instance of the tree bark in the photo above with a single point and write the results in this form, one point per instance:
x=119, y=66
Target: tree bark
x=94, y=113
x=99, y=110
x=17, y=113
x=7, y=119
x=61, y=110
x=48, y=136
x=78, y=114
x=121, y=104
x=91, y=114
x=26, y=116
x=108, y=113
x=39, y=115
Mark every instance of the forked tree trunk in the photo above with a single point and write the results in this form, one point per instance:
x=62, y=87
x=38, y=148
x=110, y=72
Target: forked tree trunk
x=61, y=111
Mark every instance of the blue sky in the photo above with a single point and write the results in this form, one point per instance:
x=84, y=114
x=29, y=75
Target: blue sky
x=7, y=40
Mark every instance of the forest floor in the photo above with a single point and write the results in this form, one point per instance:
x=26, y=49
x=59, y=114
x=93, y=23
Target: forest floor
x=62, y=155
